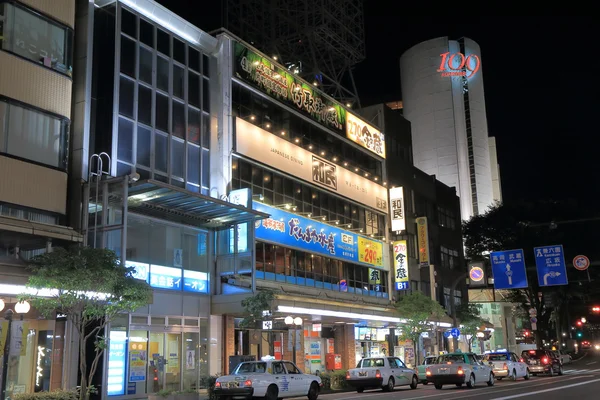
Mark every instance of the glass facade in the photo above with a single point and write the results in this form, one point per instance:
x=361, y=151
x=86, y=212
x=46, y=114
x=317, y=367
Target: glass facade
x=149, y=354
x=33, y=135
x=36, y=38
x=267, y=114
x=164, y=105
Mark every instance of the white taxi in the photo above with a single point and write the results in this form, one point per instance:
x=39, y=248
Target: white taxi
x=507, y=365
x=268, y=379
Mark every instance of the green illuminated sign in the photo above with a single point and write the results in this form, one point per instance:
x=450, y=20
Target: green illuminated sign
x=275, y=81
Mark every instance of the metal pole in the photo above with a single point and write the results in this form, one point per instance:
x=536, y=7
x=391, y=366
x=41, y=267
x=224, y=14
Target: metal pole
x=294, y=346
x=8, y=315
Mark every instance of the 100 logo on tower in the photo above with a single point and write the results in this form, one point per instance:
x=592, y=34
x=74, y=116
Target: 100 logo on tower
x=456, y=64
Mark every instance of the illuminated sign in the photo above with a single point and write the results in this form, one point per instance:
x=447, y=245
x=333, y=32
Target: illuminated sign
x=456, y=64
x=116, y=363
x=477, y=274
x=165, y=277
x=397, y=209
x=423, y=240
x=291, y=230
x=365, y=135
x=195, y=281
x=275, y=81
x=278, y=153
x=40, y=368
x=401, y=277
x=375, y=279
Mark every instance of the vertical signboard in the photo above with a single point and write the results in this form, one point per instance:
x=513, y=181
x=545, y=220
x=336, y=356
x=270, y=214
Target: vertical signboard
x=423, y=241
x=397, y=209
x=375, y=279
x=401, y=278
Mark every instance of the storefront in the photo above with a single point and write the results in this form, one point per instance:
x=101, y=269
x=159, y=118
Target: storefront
x=35, y=348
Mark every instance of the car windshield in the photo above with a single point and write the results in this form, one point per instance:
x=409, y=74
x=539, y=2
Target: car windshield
x=496, y=357
x=451, y=359
x=251, y=367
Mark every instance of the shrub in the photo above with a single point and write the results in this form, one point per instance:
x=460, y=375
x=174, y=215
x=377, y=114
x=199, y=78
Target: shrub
x=334, y=380
x=55, y=395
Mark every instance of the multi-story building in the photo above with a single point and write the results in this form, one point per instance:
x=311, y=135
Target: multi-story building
x=433, y=249
x=36, y=58
x=443, y=98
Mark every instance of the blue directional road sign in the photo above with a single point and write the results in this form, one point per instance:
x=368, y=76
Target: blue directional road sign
x=455, y=332
x=447, y=334
x=551, y=267
x=509, y=271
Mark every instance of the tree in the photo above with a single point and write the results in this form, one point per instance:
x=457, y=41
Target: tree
x=418, y=310
x=90, y=287
x=469, y=315
x=255, y=307
x=525, y=226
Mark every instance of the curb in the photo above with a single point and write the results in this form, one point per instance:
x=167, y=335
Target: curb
x=580, y=358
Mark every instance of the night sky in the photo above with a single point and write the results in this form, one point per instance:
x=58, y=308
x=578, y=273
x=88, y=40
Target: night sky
x=539, y=76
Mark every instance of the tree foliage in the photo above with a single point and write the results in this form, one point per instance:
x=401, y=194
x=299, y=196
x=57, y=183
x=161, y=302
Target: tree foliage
x=418, y=311
x=471, y=322
x=89, y=287
x=254, y=306
x=525, y=226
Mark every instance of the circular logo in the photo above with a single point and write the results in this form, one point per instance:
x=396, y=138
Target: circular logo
x=476, y=274
x=581, y=263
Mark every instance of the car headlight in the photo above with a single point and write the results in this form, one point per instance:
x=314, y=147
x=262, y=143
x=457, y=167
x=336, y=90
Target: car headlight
x=597, y=347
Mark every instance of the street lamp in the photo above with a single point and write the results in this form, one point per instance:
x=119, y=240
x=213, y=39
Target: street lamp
x=21, y=308
x=583, y=320
x=295, y=323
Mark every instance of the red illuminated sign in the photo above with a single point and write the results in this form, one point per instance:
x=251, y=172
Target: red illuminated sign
x=456, y=64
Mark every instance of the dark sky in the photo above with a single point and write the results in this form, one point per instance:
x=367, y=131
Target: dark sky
x=540, y=76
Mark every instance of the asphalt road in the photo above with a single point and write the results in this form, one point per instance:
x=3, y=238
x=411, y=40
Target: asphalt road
x=581, y=381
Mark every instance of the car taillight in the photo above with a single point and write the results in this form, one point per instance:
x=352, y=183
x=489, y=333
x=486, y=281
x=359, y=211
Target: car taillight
x=217, y=384
x=545, y=360
x=531, y=351
x=347, y=374
x=427, y=371
x=248, y=383
x=377, y=374
x=521, y=360
x=460, y=371
x=505, y=366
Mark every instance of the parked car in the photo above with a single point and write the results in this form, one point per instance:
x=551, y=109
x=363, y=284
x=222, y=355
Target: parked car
x=507, y=365
x=381, y=372
x=269, y=379
x=421, y=368
x=542, y=362
x=459, y=368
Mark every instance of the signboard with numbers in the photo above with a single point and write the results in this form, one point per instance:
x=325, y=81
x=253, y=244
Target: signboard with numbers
x=551, y=267
x=401, y=278
x=509, y=271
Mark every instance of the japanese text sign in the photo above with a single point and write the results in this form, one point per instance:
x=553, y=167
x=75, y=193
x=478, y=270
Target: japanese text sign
x=401, y=277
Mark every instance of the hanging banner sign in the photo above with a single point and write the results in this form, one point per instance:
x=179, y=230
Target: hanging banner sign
x=401, y=277
x=397, y=209
x=423, y=241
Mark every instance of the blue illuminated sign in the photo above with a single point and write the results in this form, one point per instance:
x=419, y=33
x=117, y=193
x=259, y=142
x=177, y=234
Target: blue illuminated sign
x=305, y=234
x=165, y=277
x=195, y=281
x=402, y=285
x=116, y=363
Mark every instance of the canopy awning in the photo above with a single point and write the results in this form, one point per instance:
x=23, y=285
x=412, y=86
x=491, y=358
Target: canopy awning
x=161, y=200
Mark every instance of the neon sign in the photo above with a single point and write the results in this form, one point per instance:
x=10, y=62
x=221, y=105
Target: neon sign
x=456, y=64
x=40, y=370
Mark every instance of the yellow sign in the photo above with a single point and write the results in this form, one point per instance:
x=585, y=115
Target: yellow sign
x=370, y=252
x=365, y=135
x=374, y=276
x=3, y=334
x=423, y=240
x=401, y=277
x=24, y=334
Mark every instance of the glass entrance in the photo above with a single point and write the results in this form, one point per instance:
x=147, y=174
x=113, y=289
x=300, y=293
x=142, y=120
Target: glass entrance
x=164, y=364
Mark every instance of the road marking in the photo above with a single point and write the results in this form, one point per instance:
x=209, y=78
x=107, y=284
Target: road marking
x=516, y=396
x=590, y=363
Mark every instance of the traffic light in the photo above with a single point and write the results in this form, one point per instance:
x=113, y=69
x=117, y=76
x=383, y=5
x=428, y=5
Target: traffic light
x=579, y=334
x=579, y=323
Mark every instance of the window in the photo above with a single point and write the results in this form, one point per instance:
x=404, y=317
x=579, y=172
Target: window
x=33, y=135
x=36, y=38
x=446, y=218
x=449, y=258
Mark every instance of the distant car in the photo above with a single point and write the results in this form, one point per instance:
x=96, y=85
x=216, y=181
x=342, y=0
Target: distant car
x=586, y=344
x=542, y=362
x=381, y=373
x=421, y=368
x=270, y=379
x=507, y=365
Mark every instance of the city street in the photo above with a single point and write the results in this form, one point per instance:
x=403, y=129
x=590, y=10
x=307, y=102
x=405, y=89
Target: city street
x=581, y=381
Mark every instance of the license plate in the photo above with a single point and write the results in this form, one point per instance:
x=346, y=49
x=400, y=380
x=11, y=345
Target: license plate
x=363, y=373
x=444, y=370
x=233, y=384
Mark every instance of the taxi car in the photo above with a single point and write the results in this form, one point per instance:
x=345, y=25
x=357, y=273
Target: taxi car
x=421, y=368
x=507, y=365
x=459, y=368
x=381, y=373
x=268, y=379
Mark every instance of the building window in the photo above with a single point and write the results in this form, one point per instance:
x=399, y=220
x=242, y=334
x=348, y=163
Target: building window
x=282, y=264
x=449, y=258
x=446, y=218
x=29, y=35
x=164, y=124
x=33, y=135
x=277, y=189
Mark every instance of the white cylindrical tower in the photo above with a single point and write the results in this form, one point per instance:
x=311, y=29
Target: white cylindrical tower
x=443, y=96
